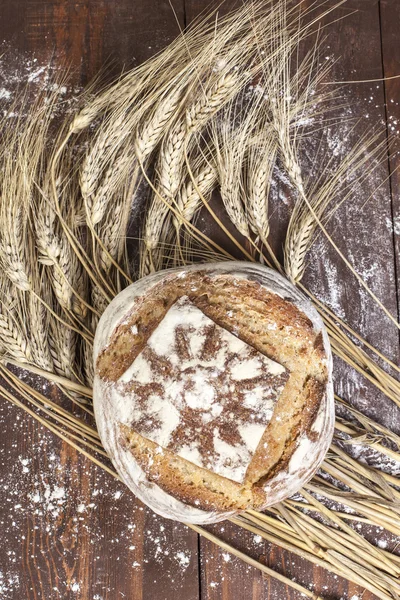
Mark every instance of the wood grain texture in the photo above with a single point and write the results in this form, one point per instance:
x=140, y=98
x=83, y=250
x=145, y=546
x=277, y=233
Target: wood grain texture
x=362, y=230
x=69, y=530
x=360, y=227
x=390, y=24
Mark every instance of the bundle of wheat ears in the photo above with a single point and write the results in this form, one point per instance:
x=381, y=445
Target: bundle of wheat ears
x=215, y=112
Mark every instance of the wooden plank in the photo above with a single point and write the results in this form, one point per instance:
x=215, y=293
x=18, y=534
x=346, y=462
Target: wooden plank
x=362, y=226
x=90, y=35
x=390, y=23
x=363, y=235
x=361, y=230
x=70, y=531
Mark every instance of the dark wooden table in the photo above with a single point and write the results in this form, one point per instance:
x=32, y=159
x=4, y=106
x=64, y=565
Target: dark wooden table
x=68, y=530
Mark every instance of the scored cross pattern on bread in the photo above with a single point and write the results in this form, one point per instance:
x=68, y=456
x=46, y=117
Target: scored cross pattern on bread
x=201, y=392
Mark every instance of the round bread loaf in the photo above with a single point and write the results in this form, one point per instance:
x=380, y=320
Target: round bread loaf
x=213, y=389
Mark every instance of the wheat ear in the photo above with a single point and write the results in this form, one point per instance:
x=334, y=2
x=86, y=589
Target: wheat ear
x=213, y=98
x=150, y=132
x=169, y=168
x=230, y=137
x=13, y=250
x=39, y=324
x=189, y=197
x=14, y=341
x=260, y=165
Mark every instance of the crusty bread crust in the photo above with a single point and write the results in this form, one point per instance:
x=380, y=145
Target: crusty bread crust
x=275, y=327
x=189, y=483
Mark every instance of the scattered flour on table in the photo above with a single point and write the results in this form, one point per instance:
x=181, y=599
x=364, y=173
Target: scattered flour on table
x=40, y=490
x=393, y=225
x=30, y=76
x=183, y=558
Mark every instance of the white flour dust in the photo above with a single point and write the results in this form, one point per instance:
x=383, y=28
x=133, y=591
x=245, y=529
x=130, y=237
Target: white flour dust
x=29, y=77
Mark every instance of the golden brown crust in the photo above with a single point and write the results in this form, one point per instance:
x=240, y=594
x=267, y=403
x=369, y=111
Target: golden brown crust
x=125, y=346
x=197, y=487
x=313, y=392
x=274, y=326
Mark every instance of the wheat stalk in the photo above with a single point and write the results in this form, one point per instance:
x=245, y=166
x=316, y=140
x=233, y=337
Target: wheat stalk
x=14, y=212
x=155, y=236
x=107, y=143
x=227, y=85
x=13, y=255
x=230, y=144
x=169, y=174
x=99, y=204
x=88, y=361
x=64, y=269
x=189, y=197
x=41, y=355
x=172, y=158
x=62, y=350
x=303, y=224
x=62, y=273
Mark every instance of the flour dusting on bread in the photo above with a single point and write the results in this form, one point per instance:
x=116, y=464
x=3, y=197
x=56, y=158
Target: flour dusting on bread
x=201, y=392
